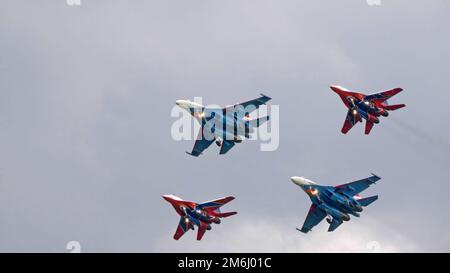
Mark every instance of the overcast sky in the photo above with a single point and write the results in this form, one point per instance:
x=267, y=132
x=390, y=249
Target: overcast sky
x=86, y=94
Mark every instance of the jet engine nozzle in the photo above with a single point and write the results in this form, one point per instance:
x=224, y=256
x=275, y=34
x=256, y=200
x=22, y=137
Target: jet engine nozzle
x=373, y=119
x=345, y=217
x=219, y=141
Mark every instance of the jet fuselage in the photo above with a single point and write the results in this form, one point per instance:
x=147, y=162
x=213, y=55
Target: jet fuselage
x=194, y=214
x=334, y=203
x=356, y=102
x=230, y=125
x=191, y=214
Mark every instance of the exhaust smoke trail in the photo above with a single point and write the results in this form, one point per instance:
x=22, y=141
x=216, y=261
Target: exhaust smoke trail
x=430, y=148
x=421, y=134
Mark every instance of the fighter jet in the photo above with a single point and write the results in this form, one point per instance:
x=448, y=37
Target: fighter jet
x=201, y=215
x=368, y=107
x=334, y=203
x=224, y=126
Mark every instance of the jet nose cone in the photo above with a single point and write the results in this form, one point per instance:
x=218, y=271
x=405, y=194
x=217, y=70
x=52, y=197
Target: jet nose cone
x=295, y=179
x=300, y=181
x=179, y=102
x=166, y=197
x=335, y=88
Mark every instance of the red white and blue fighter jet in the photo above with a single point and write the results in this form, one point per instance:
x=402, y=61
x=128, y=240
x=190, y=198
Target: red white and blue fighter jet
x=335, y=203
x=201, y=215
x=368, y=107
x=224, y=126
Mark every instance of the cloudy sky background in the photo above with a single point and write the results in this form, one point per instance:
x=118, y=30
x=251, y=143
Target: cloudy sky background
x=87, y=92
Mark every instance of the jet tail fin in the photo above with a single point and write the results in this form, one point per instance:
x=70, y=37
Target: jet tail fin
x=226, y=146
x=367, y=201
x=304, y=230
x=369, y=126
x=393, y=107
x=257, y=122
x=334, y=225
x=201, y=231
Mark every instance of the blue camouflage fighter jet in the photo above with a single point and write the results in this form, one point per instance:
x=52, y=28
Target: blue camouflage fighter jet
x=334, y=203
x=224, y=126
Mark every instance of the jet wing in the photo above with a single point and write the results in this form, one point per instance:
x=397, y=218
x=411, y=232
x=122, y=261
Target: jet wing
x=350, y=120
x=353, y=188
x=183, y=226
x=250, y=105
x=334, y=224
x=226, y=146
x=201, y=144
x=315, y=215
x=383, y=96
x=214, y=204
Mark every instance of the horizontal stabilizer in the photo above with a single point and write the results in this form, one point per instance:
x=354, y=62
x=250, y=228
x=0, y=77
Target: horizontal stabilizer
x=214, y=205
x=393, y=107
x=258, y=122
x=226, y=214
x=367, y=201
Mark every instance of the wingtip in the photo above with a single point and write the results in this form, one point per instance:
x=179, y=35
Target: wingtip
x=375, y=175
x=302, y=230
x=191, y=154
x=374, y=178
x=228, y=199
x=267, y=97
